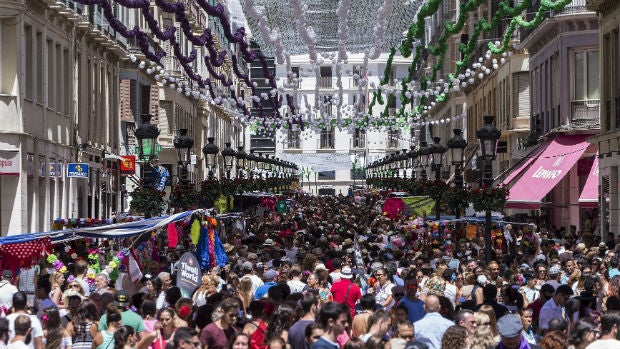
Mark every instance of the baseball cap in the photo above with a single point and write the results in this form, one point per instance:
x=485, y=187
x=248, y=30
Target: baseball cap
x=7, y=274
x=121, y=298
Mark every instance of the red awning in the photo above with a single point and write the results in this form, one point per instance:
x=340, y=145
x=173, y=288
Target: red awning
x=547, y=171
x=525, y=162
x=589, y=194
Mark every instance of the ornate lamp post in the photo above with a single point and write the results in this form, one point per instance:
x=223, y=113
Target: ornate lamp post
x=228, y=154
x=487, y=136
x=241, y=161
x=210, y=151
x=424, y=153
x=413, y=155
x=437, y=150
x=146, y=134
x=457, y=145
x=183, y=144
x=251, y=163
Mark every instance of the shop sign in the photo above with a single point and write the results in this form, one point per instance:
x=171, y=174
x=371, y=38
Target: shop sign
x=77, y=170
x=128, y=165
x=188, y=274
x=9, y=163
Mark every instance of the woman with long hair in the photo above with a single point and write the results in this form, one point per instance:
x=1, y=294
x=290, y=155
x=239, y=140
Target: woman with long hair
x=483, y=337
x=162, y=336
x=488, y=310
x=56, y=337
x=281, y=320
x=244, y=292
x=83, y=326
x=105, y=339
x=58, y=282
x=455, y=337
x=583, y=332
x=125, y=338
x=257, y=327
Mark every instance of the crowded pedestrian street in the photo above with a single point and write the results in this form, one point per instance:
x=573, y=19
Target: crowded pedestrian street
x=309, y=174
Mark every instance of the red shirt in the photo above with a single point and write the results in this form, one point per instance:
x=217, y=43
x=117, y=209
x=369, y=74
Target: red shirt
x=339, y=290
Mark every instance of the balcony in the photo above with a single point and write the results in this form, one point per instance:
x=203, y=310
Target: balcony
x=293, y=143
x=325, y=82
x=585, y=113
x=358, y=142
x=575, y=7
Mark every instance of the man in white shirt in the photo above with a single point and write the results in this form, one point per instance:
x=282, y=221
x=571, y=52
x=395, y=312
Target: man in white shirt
x=247, y=269
x=19, y=306
x=554, y=308
x=432, y=326
x=7, y=290
x=22, y=329
x=610, y=325
x=295, y=284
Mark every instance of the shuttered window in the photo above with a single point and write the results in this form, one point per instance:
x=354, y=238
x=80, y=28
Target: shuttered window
x=521, y=94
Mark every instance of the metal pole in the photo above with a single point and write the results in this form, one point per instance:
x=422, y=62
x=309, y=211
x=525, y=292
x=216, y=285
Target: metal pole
x=487, y=179
x=437, y=199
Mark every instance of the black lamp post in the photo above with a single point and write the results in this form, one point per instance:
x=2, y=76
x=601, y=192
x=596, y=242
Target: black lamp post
x=457, y=145
x=228, y=154
x=146, y=134
x=241, y=161
x=413, y=155
x=423, y=153
x=437, y=150
x=487, y=136
x=183, y=144
x=251, y=162
x=210, y=151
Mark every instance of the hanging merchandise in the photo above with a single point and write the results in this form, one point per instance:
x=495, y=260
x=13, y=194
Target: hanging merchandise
x=24, y=255
x=173, y=235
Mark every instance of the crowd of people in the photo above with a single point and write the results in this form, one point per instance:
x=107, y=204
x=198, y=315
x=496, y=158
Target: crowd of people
x=333, y=272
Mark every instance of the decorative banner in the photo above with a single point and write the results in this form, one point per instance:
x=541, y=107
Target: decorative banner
x=77, y=170
x=9, y=163
x=320, y=161
x=188, y=274
x=420, y=206
x=128, y=165
x=471, y=231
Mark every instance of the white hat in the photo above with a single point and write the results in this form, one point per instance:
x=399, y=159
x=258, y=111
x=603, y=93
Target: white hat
x=268, y=242
x=346, y=273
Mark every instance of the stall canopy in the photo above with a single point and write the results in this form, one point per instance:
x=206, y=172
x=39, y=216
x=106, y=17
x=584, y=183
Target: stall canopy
x=113, y=231
x=549, y=168
x=589, y=194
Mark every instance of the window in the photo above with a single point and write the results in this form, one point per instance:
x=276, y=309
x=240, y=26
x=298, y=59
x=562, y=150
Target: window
x=392, y=81
x=357, y=70
x=359, y=138
x=293, y=139
x=393, y=138
x=39, y=52
x=58, y=78
x=29, y=76
x=295, y=71
x=326, y=106
x=327, y=138
x=325, y=81
x=50, y=74
x=586, y=83
x=68, y=79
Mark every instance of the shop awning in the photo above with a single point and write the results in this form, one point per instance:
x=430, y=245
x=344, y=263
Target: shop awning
x=589, y=194
x=547, y=171
x=524, y=163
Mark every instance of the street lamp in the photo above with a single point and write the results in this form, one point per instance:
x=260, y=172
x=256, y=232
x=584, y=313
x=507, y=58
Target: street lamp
x=183, y=144
x=241, y=161
x=437, y=150
x=413, y=154
x=228, y=154
x=487, y=136
x=147, y=135
x=457, y=145
x=210, y=151
x=423, y=153
x=251, y=162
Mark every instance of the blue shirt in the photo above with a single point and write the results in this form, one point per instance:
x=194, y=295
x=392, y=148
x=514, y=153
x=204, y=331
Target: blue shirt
x=261, y=291
x=430, y=329
x=323, y=343
x=415, y=309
